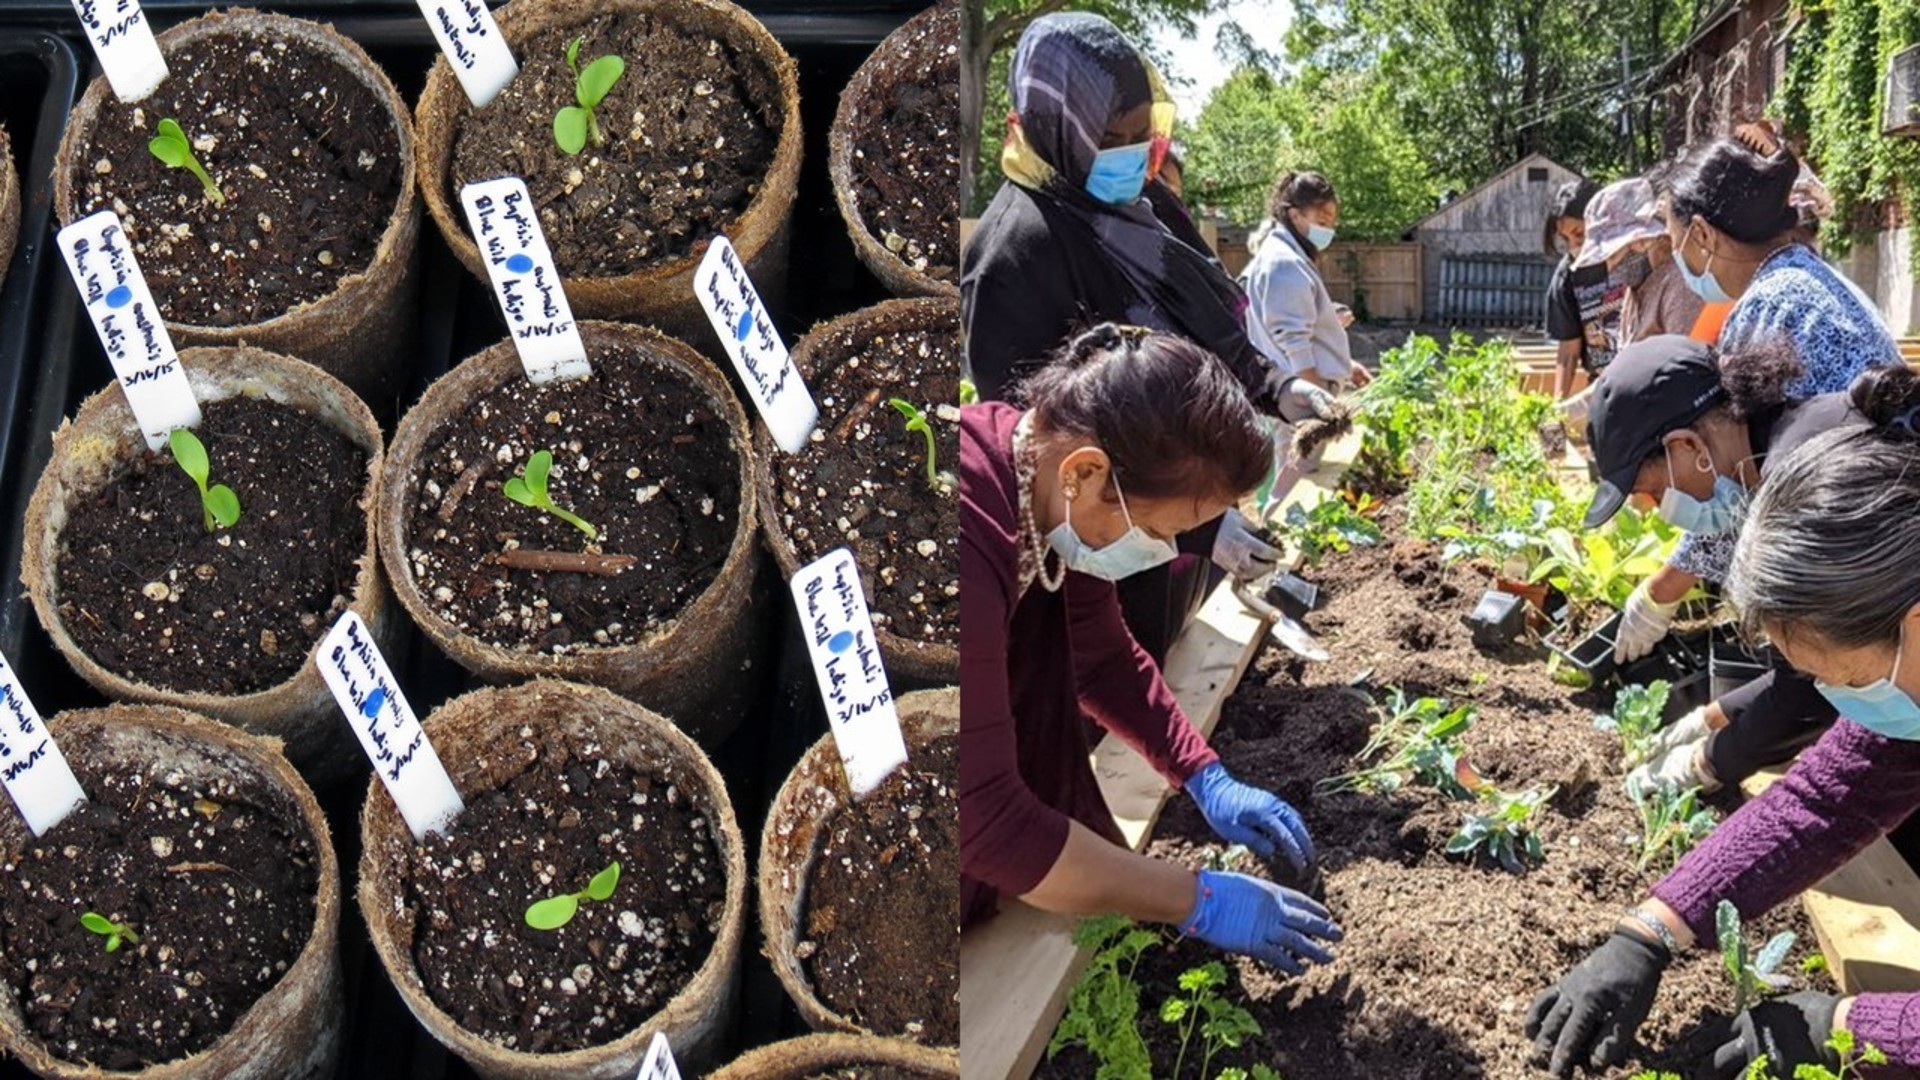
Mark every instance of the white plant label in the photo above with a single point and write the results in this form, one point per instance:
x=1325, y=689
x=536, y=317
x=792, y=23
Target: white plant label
x=122, y=39
x=370, y=697
x=35, y=772
x=733, y=306
x=658, y=1064
x=130, y=326
x=525, y=281
x=473, y=45
x=846, y=663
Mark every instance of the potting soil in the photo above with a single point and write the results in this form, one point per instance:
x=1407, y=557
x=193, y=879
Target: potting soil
x=906, y=152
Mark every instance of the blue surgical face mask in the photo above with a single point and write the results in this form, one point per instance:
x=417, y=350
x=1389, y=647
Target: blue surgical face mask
x=1320, y=236
x=1119, y=175
x=1880, y=707
x=1720, y=512
x=1704, y=284
x=1134, y=552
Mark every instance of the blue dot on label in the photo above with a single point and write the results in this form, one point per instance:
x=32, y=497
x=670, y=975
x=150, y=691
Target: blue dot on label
x=121, y=296
x=746, y=325
x=374, y=701
x=840, y=642
x=519, y=264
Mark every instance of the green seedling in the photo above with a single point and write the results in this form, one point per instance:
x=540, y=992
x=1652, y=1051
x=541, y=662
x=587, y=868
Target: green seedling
x=576, y=125
x=1814, y=964
x=1200, y=1006
x=969, y=393
x=114, y=932
x=922, y=423
x=1754, y=974
x=1841, y=1042
x=557, y=911
x=1671, y=824
x=1504, y=828
x=1413, y=742
x=1103, y=1009
x=218, y=504
x=1333, y=525
x=1637, y=715
x=530, y=489
x=175, y=152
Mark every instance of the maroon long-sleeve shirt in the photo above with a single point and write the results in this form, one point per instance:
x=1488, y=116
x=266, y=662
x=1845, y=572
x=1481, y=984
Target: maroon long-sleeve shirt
x=1032, y=666
x=1845, y=792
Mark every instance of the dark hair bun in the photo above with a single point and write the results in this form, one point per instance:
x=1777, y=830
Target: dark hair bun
x=1756, y=377
x=1889, y=397
x=1739, y=189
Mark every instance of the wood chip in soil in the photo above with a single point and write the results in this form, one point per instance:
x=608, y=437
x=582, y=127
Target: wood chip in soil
x=549, y=831
x=638, y=452
x=869, y=488
x=1442, y=956
x=218, y=881
x=881, y=929
x=306, y=155
x=690, y=132
x=906, y=158
x=150, y=594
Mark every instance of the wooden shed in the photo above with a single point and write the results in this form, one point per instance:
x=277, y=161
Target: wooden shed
x=1482, y=262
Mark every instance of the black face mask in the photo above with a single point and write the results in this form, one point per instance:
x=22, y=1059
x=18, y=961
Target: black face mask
x=1633, y=269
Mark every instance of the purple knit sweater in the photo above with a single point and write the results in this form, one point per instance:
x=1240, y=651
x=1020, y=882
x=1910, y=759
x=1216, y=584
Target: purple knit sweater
x=1844, y=793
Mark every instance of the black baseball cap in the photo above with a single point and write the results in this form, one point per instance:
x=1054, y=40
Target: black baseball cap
x=1654, y=386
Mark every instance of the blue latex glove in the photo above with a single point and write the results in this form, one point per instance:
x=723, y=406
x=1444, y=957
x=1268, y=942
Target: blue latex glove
x=1244, y=814
x=1244, y=914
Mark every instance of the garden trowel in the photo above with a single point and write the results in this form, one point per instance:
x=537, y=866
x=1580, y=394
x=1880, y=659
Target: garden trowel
x=1286, y=630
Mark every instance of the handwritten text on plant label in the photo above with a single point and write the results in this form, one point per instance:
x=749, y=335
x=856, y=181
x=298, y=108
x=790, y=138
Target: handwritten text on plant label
x=846, y=663
x=31, y=765
x=370, y=697
x=130, y=326
x=507, y=231
x=733, y=306
x=121, y=38
x=473, y=45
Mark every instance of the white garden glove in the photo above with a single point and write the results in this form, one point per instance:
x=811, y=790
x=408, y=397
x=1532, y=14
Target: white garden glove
x=1240, y=550
x=1678, y=759
x=1646, y=622
x=1691, y=729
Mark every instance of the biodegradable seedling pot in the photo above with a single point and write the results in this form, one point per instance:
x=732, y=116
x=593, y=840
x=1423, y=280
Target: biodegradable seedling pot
x=101, y=442
x=795, y=835
x=816, y=1055
x=9, y=205
x=906, y=537
x=358, y=321
x=494, y=740
x=690, y=665
x=292, y=1030
x=894, y=160
x=644, y=277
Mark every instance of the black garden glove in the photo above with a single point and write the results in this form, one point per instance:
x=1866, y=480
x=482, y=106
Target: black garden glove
x=1791, y=1031
x=1589, y=1016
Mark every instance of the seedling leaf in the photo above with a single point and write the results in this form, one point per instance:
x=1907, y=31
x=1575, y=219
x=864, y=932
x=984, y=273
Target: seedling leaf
x=173, y=150
x=604, y=882
x=598, y=79
x=516, y=489
x=190, y=454
x=554, y=912
x=570, y=129
x=573, y=55
x=99, y=924
x=539, y=467
x=218, y=504
x=224, y=505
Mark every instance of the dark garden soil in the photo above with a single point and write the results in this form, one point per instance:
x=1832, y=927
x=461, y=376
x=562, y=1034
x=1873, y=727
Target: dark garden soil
x=882, y=923
x=906, y=160
x=639, y=453
x=863, y=480
x=305, y=154
x=547, y=832
x=1442, y=957
x=151, y=594
x=689, y=129
x=219, y=883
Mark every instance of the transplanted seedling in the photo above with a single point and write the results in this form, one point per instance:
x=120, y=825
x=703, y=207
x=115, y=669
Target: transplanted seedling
x=1671, y=823
x=1415, y=741
x=174, y=151
x=218, y=503
x=1103, y=1008
x=530, y=489
x=1637, y=715
x=1333, y=525
x=557, y=911
x=114, y=932
x=1222, y=1024
x=922, y=423
x=576, y=125
x=1504, y=826
x=1754, y=975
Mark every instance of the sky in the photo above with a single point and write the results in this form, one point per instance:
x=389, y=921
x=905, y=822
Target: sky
x=1194, y=58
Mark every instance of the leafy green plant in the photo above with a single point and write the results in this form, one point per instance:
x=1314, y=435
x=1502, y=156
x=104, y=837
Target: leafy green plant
x=1753, y=974
x=1671, y=824
x=530, y=489
x=218, y=504
x=114, y=932
x=1592, y=570
x=922, y=423
x=1637, y=714
x=1332, y=525
x=1414, y=741
x=1814, y=964
x=576, y=125
x=1505, y=828
x=1845, y=1046
x=557, y=911
x=175, y=152
x=1103, y=1009
x=1222, y=1024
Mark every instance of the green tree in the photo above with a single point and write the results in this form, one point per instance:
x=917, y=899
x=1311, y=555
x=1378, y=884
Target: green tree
x=1236, y=143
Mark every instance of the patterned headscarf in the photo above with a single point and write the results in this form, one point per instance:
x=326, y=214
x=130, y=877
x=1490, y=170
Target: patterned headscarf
x=1073, y=73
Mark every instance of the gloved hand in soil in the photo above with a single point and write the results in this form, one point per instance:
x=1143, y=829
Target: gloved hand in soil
x=1244, y=914
x=1240, y=550
x=1302, y=399
x=1676, y=758
x=1646, y=621
x=1690, y=730
x=1244, y=814
x=1791, y=1031
x=1589, y=1017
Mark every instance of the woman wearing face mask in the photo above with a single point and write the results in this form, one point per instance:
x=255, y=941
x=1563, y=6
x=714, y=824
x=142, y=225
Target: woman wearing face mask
x=1564, y=234
x=1129, y=439
x=1732, y=222
x=1291, y=317
x=1697, y=433
x=1828, y=567
x=1626, y=235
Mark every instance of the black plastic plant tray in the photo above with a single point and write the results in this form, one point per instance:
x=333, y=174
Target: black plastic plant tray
x=457, y=319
